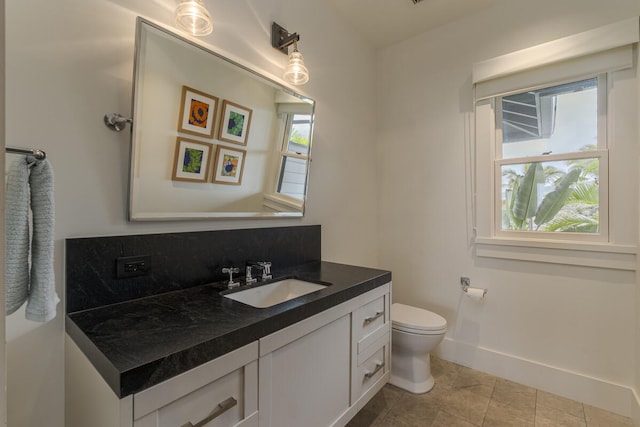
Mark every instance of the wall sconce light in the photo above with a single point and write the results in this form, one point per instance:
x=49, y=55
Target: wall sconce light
x=193, y=16
x=295, y=73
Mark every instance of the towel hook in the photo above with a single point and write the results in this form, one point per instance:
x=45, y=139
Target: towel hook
x=116, y=122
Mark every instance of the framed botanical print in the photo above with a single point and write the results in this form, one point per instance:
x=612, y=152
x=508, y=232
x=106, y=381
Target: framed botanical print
x=235, y=121
x=197, y=113
x=229, y=165
x=192, y=160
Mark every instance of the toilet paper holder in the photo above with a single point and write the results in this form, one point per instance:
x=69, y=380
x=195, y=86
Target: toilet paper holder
x=465, y=282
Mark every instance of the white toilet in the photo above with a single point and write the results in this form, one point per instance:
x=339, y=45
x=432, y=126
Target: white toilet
x=415, y=332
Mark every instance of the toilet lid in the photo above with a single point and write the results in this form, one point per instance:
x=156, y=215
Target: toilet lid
x=406, y=316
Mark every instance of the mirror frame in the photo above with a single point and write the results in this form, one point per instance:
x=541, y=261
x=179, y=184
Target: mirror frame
x=172, y=216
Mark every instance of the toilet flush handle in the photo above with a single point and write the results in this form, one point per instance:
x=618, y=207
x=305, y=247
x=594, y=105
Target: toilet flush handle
x=370, y=319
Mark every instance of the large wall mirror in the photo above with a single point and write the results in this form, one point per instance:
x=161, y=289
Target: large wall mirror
x=212, y=138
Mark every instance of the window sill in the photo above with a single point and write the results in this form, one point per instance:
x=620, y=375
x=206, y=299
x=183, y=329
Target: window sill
x=281, y=203
x=599, y=255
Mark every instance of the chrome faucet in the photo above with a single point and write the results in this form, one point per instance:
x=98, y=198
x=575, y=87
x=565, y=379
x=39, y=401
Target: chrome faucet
x=231, y=270
x=264, y=266
x=248, y=278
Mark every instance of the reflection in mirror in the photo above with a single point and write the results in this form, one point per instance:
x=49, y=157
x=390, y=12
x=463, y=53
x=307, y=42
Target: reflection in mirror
x=211, y=138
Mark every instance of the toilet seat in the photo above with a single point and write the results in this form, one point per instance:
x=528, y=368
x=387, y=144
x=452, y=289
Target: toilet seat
x=416, y=320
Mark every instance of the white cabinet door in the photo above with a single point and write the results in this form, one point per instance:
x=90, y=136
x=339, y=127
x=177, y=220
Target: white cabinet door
x=306, y=382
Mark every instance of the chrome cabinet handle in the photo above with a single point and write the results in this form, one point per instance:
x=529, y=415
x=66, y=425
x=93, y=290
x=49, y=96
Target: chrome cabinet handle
x=370, y=319
x=220, y=409
x=368, y=375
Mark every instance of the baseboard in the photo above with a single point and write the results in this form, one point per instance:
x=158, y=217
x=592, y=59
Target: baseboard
x=635, y=410
x=612, y=397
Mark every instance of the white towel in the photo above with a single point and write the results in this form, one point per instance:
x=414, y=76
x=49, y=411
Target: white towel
x=17, y=235
x=30, y=180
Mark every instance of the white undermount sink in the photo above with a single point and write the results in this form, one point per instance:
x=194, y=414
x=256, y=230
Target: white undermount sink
x=274, y=293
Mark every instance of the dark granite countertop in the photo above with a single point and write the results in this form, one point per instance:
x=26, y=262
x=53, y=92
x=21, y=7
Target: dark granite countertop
x=139, y=343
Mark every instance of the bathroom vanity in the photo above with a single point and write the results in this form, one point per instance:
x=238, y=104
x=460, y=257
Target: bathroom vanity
x=193, y=357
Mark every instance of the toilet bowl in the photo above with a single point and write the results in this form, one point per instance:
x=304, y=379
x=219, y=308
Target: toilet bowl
x=414, y=333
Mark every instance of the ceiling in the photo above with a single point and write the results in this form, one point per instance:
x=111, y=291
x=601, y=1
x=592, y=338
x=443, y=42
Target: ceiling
x=385, y=22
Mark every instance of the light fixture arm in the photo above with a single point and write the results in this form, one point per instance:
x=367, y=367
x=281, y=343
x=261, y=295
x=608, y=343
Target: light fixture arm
x=116, y=122
x=281, y=39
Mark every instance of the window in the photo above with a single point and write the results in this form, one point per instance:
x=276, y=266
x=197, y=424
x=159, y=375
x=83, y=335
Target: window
x=549, y=155
x=294, y=156
x=553, y=151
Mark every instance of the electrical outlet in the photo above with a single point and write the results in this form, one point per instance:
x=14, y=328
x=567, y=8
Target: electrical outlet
x=133, y=266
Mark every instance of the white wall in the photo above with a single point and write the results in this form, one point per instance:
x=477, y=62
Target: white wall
x=70, y=61
x=569, y=330
x=3, y=394
x=636, y=412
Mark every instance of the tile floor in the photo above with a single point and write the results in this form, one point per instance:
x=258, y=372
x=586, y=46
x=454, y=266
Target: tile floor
x=463, y=397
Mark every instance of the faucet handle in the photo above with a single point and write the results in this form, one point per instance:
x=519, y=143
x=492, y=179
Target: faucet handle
x=266, y=270
x=231, y=271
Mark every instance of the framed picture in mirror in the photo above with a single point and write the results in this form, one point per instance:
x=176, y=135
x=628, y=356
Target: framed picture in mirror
x=235, y=121
x=197, y=112
x=228, y=166
x=192, y=160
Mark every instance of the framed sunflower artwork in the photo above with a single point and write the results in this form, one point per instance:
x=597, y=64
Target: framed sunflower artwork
x=229, y=165
x=197, y=113
x=235, y=121
x=192, y=160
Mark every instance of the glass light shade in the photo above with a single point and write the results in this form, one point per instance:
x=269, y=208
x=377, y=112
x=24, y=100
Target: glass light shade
x=193, y=16
x=296, y=73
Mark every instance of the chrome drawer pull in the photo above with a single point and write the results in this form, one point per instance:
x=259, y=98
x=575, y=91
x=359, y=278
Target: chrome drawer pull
x=217, y=411
x=379, y=366
x=368, y=320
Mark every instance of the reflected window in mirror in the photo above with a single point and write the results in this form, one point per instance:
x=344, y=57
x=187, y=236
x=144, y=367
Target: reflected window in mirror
x=294, y=156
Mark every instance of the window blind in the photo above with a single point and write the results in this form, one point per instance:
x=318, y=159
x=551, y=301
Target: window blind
x=604, y=49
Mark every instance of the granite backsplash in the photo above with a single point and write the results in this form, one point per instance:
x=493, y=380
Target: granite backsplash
x=177, y=260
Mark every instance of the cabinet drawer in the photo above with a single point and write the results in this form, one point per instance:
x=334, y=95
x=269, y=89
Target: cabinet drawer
x=370, y=317
x=227, y=386
x=227, y=397
x=374, y=366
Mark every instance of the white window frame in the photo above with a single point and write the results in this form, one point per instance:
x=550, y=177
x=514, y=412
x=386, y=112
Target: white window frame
x=601, y=153
x=605, y=50
x=285, y=153
x=274, y=199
